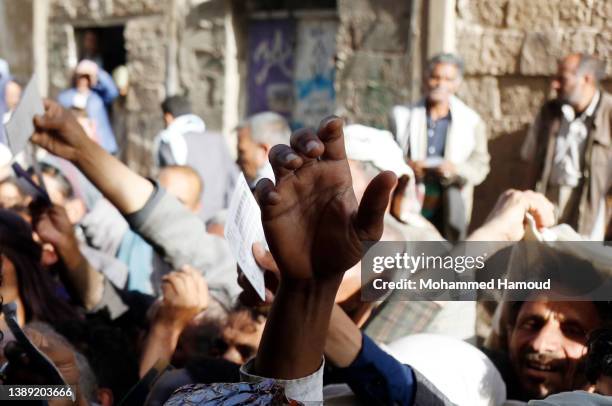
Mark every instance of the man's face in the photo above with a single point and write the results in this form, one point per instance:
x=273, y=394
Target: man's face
x=182, y=188
x=568, y=84
x=442, y=83
x=10, y=196
x=90, y=43
x=251, y=155
x=83, y=82
x=548, y=340
x=242, y=336
x=12, y=95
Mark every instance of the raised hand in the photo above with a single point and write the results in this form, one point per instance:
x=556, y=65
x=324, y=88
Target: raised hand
x=185, y=295
x=59, y=132
x=506, y=220
x=53, y=227
x=310, y=217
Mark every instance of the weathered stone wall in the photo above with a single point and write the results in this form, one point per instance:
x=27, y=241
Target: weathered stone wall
x=16, y=38
x=511, y=49
x=195, y=32
x=201, y=60
x=374, y=69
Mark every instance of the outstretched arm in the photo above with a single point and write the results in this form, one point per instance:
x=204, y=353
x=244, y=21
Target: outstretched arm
x=59, y=132
x=315, y=231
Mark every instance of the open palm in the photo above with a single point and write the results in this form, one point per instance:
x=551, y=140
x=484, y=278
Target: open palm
x=311, y=219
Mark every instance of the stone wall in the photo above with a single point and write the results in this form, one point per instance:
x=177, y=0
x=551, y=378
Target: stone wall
x=374, y=69
x=510, y=49
x=193, y=31
x=16, y=38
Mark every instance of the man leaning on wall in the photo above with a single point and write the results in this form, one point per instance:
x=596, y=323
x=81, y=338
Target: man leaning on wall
x=445, y=143
x=568, y=147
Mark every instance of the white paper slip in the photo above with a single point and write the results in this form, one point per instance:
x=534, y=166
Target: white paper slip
x=242, y=229
x=19, y=129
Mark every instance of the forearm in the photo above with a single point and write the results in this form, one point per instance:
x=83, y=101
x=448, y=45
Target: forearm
x=295, y=333
x=343, y=342
x=79, y=276
x=124, y=188
x=159, y=344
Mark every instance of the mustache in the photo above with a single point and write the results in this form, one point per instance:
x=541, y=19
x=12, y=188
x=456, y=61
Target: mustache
x=544, y=358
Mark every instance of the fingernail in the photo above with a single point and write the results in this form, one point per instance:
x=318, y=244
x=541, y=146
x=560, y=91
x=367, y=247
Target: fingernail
x=329, y=120
x=290, y=157
x=310, y=145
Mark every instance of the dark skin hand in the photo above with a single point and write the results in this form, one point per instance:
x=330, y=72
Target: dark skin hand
x=315, y=231
x=316, y=197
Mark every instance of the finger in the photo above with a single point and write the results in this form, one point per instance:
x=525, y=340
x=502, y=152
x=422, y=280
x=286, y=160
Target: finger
x=402, y=183
x=51, y=120
x=369, y=221
x=271, y=282
x=306, y=143
x=284, y=160
x=541, y=209
x=331, y=134
x=242, y=280
x=183, y=281
x=266, y=194
x=249, y=297
x=171, y=283
x=264, y=258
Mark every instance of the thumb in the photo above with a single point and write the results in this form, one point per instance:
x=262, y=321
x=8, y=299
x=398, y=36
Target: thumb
x=369, y=221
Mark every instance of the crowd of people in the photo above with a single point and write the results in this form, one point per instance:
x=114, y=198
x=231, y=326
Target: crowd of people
x=130, y=288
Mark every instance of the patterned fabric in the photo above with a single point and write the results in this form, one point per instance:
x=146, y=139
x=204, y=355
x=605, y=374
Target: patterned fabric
x=266, y=392
x=396, y=319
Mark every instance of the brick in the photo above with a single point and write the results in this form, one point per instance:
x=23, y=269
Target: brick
x=481, y=94
x=521, y=98
x=489, y=51
x=603, y=49
x=602, y=14
x=490, y=13
x=578, y=40
x=575, y=13
x=540, y=53
x=528, y=14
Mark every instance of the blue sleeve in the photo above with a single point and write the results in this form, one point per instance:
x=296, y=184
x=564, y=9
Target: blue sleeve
x=106, y=87
x=378, y=378
x=65, y=98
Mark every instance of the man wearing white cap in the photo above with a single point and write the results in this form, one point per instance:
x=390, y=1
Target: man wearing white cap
x=93, y=90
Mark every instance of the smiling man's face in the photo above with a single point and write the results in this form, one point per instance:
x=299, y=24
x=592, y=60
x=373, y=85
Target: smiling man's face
x=547, y=342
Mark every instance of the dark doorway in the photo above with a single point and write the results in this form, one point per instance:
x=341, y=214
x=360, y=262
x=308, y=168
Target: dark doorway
x=104, y=45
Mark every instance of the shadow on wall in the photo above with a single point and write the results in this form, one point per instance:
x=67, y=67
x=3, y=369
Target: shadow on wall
x=507, y=171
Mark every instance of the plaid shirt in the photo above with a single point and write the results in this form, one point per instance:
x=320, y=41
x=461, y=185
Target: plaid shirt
x=395, y=319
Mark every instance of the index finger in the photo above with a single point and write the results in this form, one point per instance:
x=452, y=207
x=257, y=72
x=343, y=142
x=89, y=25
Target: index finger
x=332, y=135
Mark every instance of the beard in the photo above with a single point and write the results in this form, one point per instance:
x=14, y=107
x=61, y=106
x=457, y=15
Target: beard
x=543, y=374
x=572, y=98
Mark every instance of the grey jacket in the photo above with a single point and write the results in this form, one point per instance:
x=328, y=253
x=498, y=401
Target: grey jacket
x=180, y=238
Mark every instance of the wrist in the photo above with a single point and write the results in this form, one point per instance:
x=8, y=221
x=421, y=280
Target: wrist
x=168, y=327
x=71, y=256
x=88, y=152
x=311, y=287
